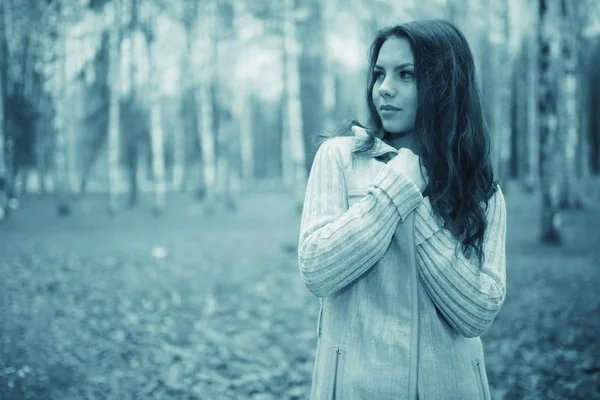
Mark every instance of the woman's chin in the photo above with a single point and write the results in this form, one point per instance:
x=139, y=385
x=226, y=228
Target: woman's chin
x=393, y=128
x=391, y=133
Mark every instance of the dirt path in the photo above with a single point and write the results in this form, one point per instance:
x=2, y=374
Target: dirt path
x=237, y=245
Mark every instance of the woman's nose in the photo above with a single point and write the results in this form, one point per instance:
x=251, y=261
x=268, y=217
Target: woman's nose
x=386, y=89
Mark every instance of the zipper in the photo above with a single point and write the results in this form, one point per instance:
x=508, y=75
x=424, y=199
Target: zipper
x=337, y=372
x=319, y=318
x=479, y=377
x=414, y=339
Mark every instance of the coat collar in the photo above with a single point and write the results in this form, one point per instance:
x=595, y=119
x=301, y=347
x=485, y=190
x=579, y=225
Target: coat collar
x=361, y=136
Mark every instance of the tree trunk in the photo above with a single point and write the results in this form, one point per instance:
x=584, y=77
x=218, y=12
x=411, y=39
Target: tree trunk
x=178, y=155
x=293, y=153
x=329, y=75
x=204, y=103
x=74, y=97
x=156, y=132
x=41, y=153
x=329, y=97
x=532, y=164
x=132, y=139
x=188, y=83
x=61, y=174
x=133, y=161
x=226, y=171
x=71, y=137
x=583, y=158
x=228, y=131
x=569, y=97
x=469, y=18
x=3, y=169
x=594, y=107
x=500, y=99
x=550, y=174
x=519, y=115
x=243, y=109
x=114, y=113
x=317, y=82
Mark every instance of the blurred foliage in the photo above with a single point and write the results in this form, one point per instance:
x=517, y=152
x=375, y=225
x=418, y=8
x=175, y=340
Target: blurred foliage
x=33, y=42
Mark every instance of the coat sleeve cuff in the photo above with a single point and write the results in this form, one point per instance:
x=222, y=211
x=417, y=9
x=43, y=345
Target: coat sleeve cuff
x=401, y=190
x=427, y=222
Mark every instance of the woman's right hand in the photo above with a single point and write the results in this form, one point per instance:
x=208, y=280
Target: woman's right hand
x=410, y=164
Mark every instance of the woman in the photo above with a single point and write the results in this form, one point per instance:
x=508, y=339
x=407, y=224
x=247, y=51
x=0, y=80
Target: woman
x=403, y=229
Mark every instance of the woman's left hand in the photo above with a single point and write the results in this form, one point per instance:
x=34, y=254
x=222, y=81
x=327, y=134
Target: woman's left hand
x=410, y=164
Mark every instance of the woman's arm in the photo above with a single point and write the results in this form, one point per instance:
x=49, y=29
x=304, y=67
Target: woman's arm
x=467, y=297
x=339, y=243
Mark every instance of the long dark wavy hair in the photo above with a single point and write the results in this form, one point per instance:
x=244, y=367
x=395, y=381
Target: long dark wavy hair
x=451, y=132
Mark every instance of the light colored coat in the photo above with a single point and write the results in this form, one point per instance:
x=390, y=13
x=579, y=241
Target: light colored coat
x=402, y=307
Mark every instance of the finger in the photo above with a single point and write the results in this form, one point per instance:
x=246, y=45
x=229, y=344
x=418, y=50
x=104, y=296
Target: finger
x=406, y=151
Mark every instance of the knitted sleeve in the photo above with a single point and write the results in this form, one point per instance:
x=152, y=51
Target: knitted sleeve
x=339, y=243
x=467, y=297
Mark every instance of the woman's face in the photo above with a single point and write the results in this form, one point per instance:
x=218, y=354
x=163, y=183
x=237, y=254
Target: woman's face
x=395, y=90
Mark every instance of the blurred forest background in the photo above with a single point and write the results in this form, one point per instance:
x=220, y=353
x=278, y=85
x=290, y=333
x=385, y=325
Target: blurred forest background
x=153, y=159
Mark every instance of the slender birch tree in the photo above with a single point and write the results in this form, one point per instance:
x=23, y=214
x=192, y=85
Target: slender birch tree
x=550, y=174
x=242, y=104
x=293, y=153
x=205, y=114
x=584, y=60
x=179, y=141
x=329, y=72
x=156, y=123
x=499, y=109
x=189, y=76
x=61, y=173
x=3, y=169
x=132, y=138
x=532, y=160
x=317, y=84
x=114, y=111
x=228, y=129
x=74, y=107
x=569, y=95
x=594, y=100
x=178, y=132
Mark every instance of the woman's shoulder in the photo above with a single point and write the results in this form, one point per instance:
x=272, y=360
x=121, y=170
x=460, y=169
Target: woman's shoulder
x=346, y=136
x=344, y=142
x=495, y=206
x=337, y=142
x=339, y=147
x=497, y=195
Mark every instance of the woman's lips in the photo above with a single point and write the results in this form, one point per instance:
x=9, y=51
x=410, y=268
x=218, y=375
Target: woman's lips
x=386, y=110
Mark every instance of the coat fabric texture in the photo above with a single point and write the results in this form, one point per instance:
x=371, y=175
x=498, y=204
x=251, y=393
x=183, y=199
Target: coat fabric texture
x=401, y=306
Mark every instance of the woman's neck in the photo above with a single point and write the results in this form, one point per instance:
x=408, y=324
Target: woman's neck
x=402, y=141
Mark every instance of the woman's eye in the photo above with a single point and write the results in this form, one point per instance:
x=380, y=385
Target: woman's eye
x=377, y=74
x=406, y=74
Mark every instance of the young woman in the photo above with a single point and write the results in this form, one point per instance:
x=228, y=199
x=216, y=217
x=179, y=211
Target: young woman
x=403, y=229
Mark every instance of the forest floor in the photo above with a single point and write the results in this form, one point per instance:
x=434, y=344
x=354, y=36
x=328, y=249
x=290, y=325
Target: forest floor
x=187, y=306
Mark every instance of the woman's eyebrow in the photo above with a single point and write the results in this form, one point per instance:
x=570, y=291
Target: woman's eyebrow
x=401, y=66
